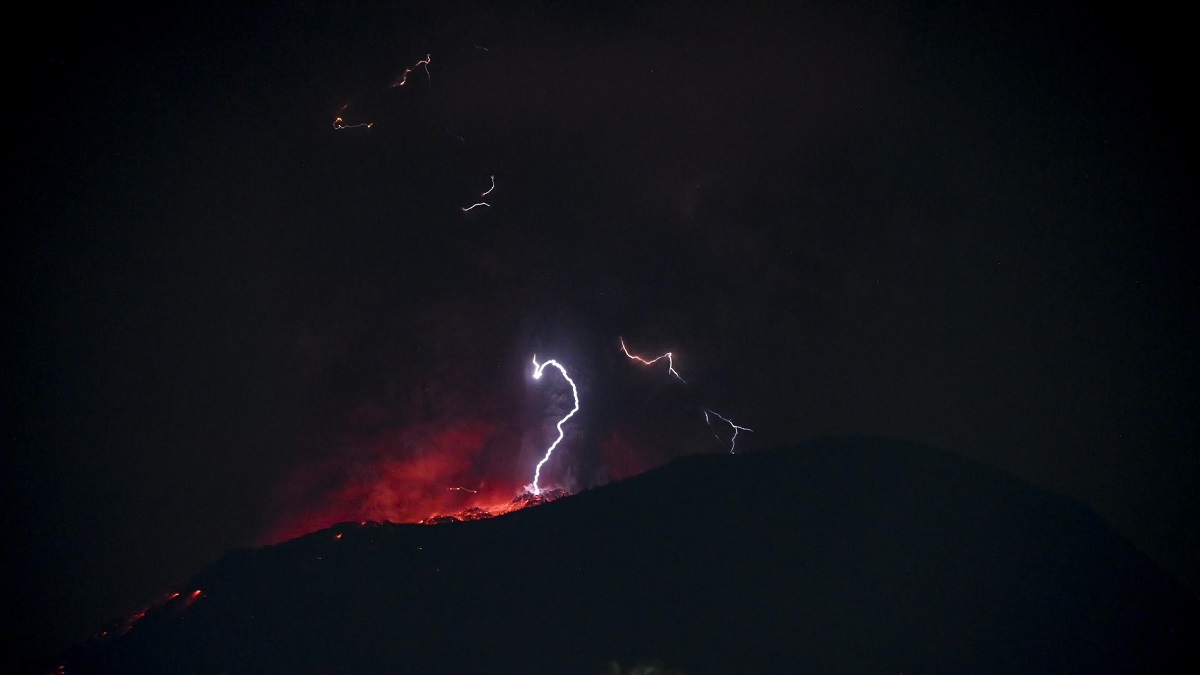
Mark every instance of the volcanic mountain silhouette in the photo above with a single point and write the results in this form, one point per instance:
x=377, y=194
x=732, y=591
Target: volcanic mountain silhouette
x=840, y=555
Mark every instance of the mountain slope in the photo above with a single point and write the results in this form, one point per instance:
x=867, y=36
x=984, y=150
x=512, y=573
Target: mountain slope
x=846, y=555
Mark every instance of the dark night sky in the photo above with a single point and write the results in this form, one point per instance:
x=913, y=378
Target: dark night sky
x=970, y=226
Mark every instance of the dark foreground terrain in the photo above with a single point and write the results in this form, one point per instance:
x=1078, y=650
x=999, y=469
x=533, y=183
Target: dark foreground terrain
x=841, y=555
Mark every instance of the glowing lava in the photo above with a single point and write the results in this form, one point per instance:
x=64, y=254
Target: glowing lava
x=537, y=375
x=159, y=607
x=522, y=501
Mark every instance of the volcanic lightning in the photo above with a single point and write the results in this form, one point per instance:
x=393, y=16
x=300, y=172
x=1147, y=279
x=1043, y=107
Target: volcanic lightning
x=736, y=428
x=404, y=77
x=339, y=123
x=706, y=411
x=667, y=356
x=482, y=194
x=537, y=375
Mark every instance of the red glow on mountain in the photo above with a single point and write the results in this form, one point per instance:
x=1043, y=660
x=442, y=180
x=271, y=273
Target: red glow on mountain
x=522, y=501
x=436, y=473
x=405, y=476
x=122, y=627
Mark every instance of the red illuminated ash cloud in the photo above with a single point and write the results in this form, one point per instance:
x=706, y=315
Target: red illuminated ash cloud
x=411, y=475
x=522, y=501
x=459, y=468
x=424, y=473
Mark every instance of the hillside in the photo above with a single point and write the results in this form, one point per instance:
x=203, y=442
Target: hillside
x=840, y=555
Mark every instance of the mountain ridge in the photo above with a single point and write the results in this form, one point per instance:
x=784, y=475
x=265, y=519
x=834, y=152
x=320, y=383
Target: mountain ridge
x=841, y=554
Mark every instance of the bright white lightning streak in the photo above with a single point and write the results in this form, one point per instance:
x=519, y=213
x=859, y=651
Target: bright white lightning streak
x=736, y=428
x=537, y=375
x=482, y=194
x=667, y=356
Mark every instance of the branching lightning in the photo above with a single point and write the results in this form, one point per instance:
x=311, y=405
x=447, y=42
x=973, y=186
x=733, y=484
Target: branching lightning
x=537, y=375
x=706, y=411
x=736, y=428
x=667, y=356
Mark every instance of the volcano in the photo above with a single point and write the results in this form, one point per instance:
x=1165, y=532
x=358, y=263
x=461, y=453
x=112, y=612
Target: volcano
x=524, y=500
x=839, y=555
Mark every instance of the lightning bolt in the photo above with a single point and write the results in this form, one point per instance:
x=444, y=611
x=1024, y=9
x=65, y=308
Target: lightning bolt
x=403, y=79
x=736, y=428
x=339, y=123
x=404, y=76
x=482, y=194
x=706, y=411
x=667, y=356
x=537, y=375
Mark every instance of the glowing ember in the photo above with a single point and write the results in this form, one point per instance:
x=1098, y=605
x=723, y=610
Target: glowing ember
x=127, y=625
x=524, y=500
